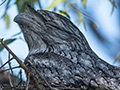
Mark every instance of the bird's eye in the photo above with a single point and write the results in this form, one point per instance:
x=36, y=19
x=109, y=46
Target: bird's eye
x=60, y=52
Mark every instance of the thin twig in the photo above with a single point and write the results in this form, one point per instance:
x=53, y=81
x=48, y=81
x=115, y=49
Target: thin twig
x=3, y=2
x=40, y=75
x=27, y=83
x=39, y=3
x=9, y=69
x=1, y=63
x=14, y=56
x=6, y=63
x=10, y=64
x=12, y=79
x=78, y=10
x=20, y=73
x=20, y=63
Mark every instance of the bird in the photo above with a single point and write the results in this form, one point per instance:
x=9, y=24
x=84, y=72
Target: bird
x=62, y=55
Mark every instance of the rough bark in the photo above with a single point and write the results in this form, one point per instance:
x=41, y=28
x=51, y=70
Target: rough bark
x=62, y=55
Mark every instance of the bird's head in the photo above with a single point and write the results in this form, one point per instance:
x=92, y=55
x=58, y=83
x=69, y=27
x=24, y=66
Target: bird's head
x=42, y=29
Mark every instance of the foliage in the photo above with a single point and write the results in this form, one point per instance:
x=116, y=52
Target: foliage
x=54, y=4
x=21, y=7
x=21, y=4
x=8, y=41
x=84, y=3
x=113, y=5
x=7, y=20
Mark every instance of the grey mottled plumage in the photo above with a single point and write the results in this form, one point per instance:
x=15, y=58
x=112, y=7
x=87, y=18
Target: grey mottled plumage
x=62, y=55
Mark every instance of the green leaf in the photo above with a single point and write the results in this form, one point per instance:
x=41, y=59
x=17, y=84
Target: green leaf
x=95, y=25
x=69, y=4
x=113, y=5
x=54, y=4
x=39, y=3
x=7, y=20
x=21, y=4
x=117, y=57
x=64, y=13
x=6, y=42
x=84, y=3
x=80, y=17
x=17, y=34
x=84, y=25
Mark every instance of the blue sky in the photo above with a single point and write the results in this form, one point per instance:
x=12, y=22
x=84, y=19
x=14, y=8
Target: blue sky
x=101, y=12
